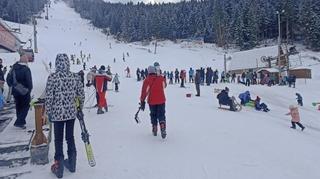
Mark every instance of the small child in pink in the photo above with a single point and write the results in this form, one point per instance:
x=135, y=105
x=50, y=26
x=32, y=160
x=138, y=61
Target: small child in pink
x=294, y=112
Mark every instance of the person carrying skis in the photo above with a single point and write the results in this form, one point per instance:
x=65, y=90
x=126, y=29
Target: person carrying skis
x=101, y=85
x=63, y=88
x=224, y=99
x=116, y=82
x=153, y=89
x=295, y=117
x=299, y=99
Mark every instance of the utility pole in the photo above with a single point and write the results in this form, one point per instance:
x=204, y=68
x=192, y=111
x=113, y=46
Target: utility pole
x=47, y=16
x=225, y=62
x=34, y=22
x=155, y=47
x=279, y=41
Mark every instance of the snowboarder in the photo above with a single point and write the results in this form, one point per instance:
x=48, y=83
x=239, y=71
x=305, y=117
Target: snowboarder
x=62, y=90
x=101, y=85
x=20, y=79
x=295, y=117
x=116, y=82
x=299, y=99
x=153, y=88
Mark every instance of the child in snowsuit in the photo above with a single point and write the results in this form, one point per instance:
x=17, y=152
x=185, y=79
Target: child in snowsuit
x=299, y=99
x=295, y=117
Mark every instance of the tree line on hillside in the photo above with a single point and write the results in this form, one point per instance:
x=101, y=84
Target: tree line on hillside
x=244, y=23
x=20, y=11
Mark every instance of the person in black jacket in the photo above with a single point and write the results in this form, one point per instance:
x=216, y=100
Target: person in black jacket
x=23, y=76
x=224, y=99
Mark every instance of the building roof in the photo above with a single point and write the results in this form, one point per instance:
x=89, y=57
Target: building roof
x=8, y=40
x=251, y=59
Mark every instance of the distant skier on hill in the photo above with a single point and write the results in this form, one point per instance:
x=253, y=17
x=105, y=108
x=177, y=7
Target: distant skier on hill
x=299, y=99
x=153, y=89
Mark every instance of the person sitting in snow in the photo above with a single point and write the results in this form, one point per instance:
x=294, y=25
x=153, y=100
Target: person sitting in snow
x=299, y=99
x=295, y=117
x=261, y=106
x=245, y=97
x=224, y=99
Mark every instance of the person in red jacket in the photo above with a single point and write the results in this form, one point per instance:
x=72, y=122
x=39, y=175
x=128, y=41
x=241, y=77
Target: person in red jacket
x=183, y=75
x=101, y=85
x=153, y=88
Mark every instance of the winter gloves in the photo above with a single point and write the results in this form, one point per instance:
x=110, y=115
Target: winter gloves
x=142, y=105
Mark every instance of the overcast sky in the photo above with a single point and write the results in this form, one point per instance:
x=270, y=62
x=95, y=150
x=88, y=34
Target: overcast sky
x=146, y=1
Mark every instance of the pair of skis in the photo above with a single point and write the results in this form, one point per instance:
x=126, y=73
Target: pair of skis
x=85, y=138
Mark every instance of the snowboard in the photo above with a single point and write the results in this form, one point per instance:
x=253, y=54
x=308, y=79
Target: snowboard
x=85, y=139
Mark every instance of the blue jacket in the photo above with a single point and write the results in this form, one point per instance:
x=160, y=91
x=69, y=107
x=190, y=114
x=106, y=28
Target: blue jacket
x=245, y=97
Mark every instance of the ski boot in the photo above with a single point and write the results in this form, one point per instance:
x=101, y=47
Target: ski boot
x=106, y=108
x=57, y=168
x=99, y=111
x=154, y=130
x=70, y=163
x=163, y=129
x=302, y=128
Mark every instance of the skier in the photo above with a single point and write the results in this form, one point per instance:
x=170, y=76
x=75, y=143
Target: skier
x=62, y=90
x=20, y=79
x=197, y=81
x=50, y=65
x=101, y=85
x=116, y=82
x=299, y=99
x=127, y=70
x=153, y=88
x=84, y=66
x=295, y=117
x=171, y=77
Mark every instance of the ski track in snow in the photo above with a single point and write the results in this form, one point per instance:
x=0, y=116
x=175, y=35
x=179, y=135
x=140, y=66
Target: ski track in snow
x=202, y=142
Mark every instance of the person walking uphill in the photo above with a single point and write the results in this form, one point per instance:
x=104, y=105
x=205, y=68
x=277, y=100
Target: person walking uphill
x=101, y=85
x=62, y=90
x=153, y=88
x=295, y=117
x=20, y=79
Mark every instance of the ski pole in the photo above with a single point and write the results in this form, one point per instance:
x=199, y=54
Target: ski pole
x=136, y=117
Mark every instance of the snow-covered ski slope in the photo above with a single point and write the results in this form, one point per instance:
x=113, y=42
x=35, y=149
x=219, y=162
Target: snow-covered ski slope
x=202, y=142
